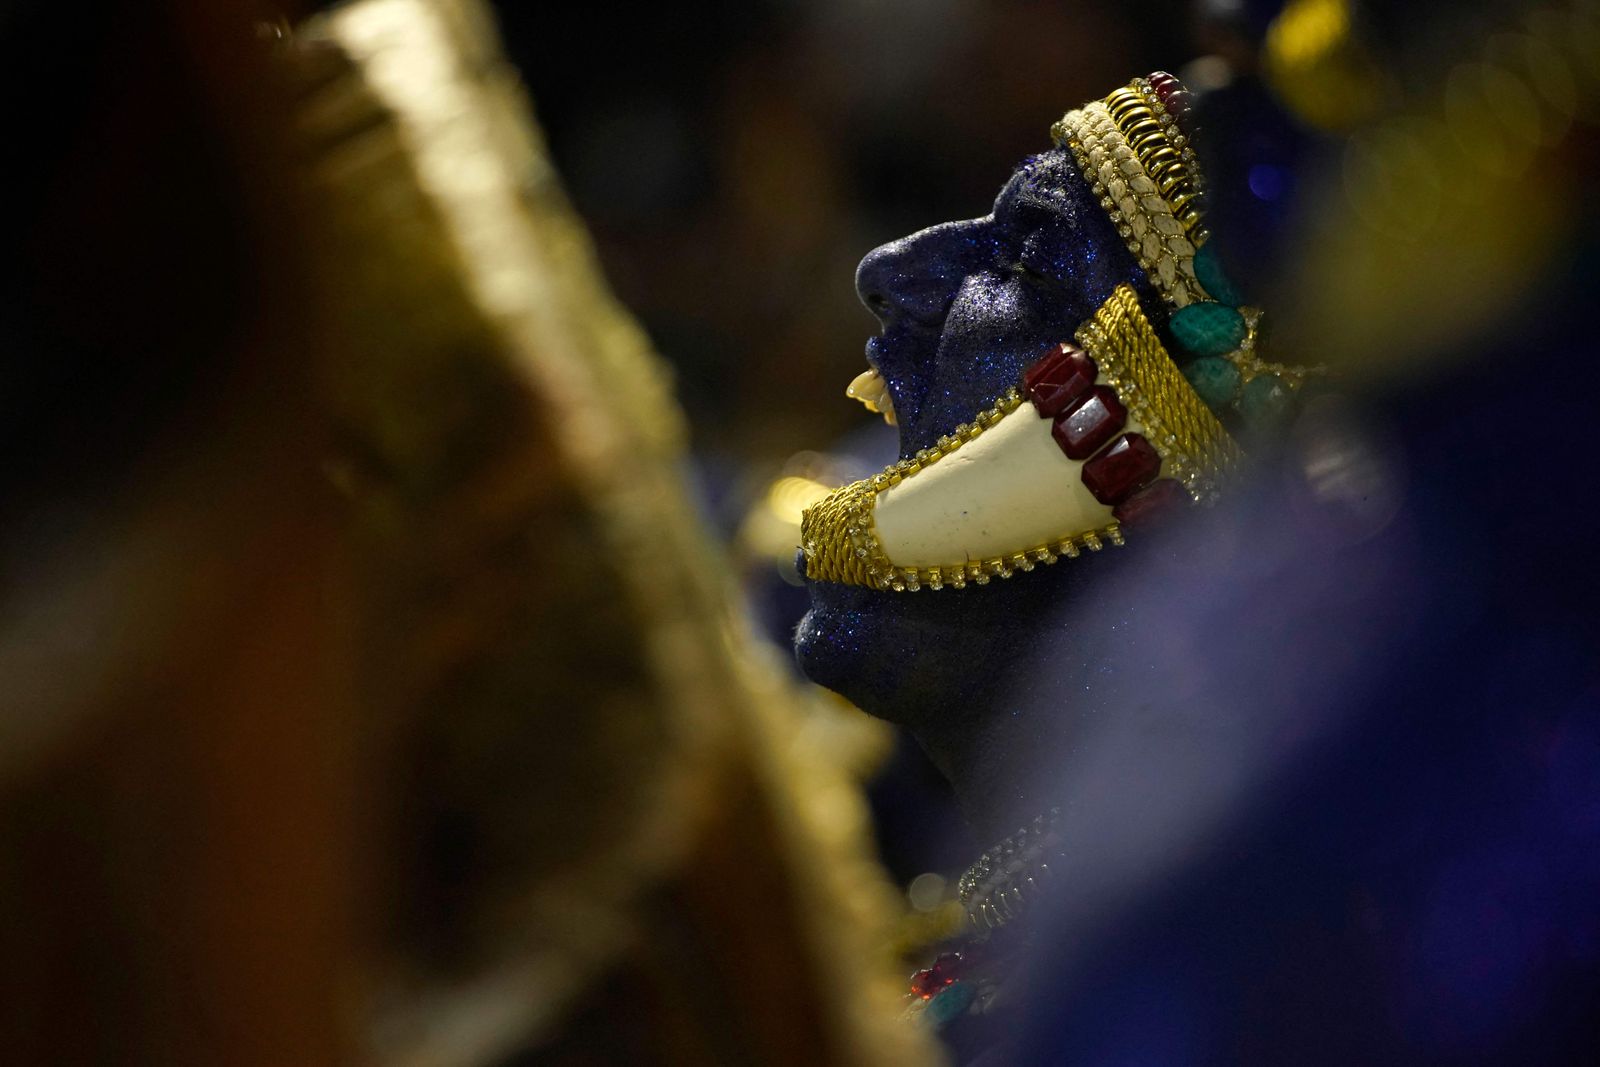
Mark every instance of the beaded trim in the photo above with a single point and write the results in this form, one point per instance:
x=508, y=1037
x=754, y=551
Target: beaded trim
x=1005, y=881
x=1132, y=198
x=1141, y=166
x=1251, y=366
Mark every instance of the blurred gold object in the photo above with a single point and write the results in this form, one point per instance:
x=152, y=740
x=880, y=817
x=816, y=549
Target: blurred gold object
x=687, y=844
x=1432, y=230
x=922, y=929
x=1314, y=62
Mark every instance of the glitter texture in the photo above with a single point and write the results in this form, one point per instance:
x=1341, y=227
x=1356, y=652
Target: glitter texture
x=965, y=307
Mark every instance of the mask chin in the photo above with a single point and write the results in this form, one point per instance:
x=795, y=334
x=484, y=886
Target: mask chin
x=907, y=659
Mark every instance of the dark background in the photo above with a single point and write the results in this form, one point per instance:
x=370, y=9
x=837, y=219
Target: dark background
x=735, y=162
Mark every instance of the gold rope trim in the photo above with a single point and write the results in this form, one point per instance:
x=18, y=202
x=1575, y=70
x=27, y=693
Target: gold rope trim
x=839, y=540
x=1194, y=444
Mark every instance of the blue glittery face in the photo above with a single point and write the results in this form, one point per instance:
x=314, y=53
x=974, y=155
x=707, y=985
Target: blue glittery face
x=964, y=307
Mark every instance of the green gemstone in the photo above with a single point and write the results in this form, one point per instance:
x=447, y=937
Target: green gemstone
x=1215, y=379
x=1208, y=268
x=1265, y=401
x=1208, y=329
x=949, y=1002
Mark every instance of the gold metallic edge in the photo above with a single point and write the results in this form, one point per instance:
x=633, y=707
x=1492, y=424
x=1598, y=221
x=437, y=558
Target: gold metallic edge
x=1137, y=109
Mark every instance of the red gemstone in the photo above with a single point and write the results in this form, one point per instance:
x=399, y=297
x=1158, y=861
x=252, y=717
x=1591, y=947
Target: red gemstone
x=1089, y=423
x=1167, y=89
x=947, y=968
x=945, y=971
x=1158, y=501
x=1121, y=470
x=1059, y=378
x=1162, y=82
x=1175, y=99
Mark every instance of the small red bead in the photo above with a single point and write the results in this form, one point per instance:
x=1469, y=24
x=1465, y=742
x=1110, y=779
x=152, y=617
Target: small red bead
x=1166, y=86
x=1090, y=422
x=1175, y=99
x=1059, y=378
x=945, y=971
x=1161, y=80
x=1121, y=470
x=1155, y=503
x=947, y=968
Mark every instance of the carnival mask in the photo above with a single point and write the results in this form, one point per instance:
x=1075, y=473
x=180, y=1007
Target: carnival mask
x=1028, y=359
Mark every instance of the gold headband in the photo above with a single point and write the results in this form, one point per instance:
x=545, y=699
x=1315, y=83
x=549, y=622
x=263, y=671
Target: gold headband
x=1139, y=162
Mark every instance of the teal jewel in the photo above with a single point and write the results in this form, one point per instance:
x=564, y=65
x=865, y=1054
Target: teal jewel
x=1215, y=379
x=1265, y=401
x=1208, y=268
x=950, y=1002
x=1208, y=329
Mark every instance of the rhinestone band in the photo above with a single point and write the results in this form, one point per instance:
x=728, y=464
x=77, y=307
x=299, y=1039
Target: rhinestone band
x=1006, y=880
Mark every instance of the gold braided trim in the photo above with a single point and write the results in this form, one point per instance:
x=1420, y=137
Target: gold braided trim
x=1194, y=445
x=1133, y=199
x=980, y=571
x=840, y=540
x=1166, y=243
